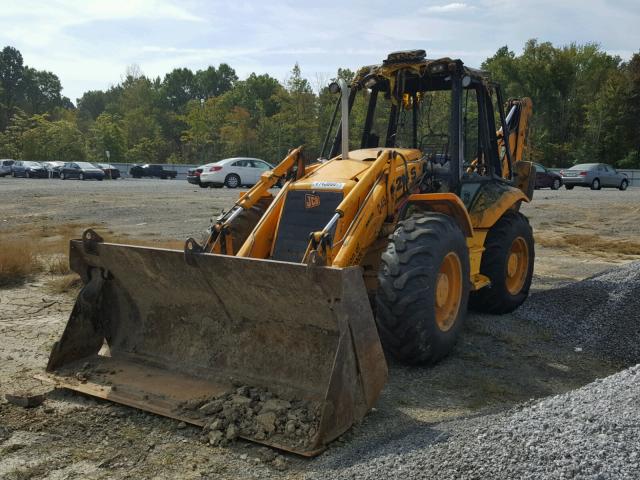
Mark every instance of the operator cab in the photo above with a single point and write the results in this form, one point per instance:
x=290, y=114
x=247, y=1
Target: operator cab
x=451, y=113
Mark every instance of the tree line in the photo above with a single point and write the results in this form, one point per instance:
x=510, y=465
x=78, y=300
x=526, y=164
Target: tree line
x=586, y=109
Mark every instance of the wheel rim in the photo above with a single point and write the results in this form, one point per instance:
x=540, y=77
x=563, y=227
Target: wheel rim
x=448, y=291
x=556, y=184
x=517, y=265
x=596, y=184
x=624, y=185
x=232, y=182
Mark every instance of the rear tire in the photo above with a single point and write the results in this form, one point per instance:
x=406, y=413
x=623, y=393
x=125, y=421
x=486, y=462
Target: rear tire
x=423, y=288
x=203, y=185
x=62, y=177
x=232, y=181
x=569, y=187
x=508, y=262
x=595, y=185
x=623, y=185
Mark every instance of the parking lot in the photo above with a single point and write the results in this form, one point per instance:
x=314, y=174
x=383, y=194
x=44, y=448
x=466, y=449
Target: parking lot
x=499, y=362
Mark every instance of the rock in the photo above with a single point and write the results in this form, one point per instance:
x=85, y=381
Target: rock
x=239, y=400
x=266, y=454
x=267, y=421
x=232, y=432
x=193, y=404
x=275, y=405
x=181, y=425
x=211, y=407
x=243, y=391
x=215, y=437
x=290, y=427
x=24, y=399
x=280, y=463
x=218, y=424
x=81, y=377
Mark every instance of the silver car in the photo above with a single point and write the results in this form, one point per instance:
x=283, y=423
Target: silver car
x=595, y=176
x=5, y=167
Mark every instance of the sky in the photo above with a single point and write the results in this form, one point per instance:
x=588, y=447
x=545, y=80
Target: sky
x=90, y=44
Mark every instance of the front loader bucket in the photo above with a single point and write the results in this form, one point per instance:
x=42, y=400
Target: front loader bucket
x=174, y=333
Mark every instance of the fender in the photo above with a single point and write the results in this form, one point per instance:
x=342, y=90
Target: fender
x=447, y=203
x=491, y=201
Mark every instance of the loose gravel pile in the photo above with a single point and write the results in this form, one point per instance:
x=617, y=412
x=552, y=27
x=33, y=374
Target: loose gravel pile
x=600, y=315
x=587, y=433
x=258, y=414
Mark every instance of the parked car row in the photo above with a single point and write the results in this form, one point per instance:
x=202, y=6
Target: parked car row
x=593, y=175
x=62, y=170
x=230, y=172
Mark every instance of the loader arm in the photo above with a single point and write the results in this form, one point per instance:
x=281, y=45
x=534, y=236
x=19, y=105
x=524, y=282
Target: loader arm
x=218, y=241
x=378, y=194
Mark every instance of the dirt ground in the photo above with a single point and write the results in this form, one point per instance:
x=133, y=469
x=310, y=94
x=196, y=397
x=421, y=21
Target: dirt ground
x=498, y=362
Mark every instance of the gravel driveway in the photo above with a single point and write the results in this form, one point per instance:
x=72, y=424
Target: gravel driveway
x=470, y=416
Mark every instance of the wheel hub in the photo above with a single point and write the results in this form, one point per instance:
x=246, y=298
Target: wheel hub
x=442, y=290
x=517, y=266
x=448, y=291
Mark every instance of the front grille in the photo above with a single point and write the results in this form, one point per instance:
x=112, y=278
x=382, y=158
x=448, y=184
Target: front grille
x=303, y=212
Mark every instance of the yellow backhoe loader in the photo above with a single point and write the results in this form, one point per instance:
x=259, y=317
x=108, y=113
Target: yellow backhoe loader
x=285, y=307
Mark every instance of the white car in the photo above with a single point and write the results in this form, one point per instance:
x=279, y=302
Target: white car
x=233, y=172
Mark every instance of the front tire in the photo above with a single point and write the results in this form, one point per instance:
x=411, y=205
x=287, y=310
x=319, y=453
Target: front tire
x=595, y=185
x=81, y=176
x=623, y=185
x=423, y=288
x=203, y=185
x=556, y=184
x=508, y=262
x=569, y=187
x=232, y=181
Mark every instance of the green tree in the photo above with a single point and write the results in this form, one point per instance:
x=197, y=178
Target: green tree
x=107, y=135
x=52, y=141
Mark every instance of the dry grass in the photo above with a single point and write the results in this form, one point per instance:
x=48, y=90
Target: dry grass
x=69, y=283
x=18, y=262
x=57, y=265
x=47, y=251
x=590, y=243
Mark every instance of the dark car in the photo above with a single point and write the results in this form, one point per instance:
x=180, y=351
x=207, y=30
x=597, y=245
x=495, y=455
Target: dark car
x=28, y=169
x=109, y=170
x=81, y=171
x=545, y=178
x=193, y=175
x=53, y=168
x=149, y=170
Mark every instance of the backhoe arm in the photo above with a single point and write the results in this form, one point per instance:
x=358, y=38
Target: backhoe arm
x=518, y=116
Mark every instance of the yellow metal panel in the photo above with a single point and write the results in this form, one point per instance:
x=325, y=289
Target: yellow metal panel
x=447, y=203
x=487, y=208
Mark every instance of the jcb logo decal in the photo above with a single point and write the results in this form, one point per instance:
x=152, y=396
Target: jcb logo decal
x=311, y=201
